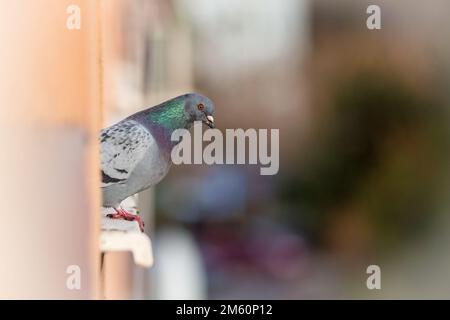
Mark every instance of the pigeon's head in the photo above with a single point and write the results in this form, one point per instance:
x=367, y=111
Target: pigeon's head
x=199, y=108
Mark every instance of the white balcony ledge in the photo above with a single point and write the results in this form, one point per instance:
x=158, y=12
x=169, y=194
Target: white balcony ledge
x=121, y=235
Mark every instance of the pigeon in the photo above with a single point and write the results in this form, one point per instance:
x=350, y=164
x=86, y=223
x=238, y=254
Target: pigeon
x=135, y=153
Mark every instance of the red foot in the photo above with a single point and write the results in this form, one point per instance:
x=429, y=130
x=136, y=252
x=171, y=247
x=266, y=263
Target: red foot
x=125, y=215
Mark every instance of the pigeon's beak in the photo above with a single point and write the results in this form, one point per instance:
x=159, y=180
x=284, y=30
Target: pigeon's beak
x=209, y=121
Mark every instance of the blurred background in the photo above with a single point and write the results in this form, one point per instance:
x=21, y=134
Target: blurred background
x=364, y=145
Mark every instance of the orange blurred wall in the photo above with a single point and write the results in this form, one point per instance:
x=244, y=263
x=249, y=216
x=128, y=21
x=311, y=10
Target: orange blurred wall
x=50, y=102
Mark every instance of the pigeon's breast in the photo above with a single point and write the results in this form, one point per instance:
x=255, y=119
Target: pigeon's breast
x=151, y=169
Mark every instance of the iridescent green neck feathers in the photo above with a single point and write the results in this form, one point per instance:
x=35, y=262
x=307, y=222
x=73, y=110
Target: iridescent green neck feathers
x=170, y=115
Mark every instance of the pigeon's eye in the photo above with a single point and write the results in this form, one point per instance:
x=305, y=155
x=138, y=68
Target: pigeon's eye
x=200, y=106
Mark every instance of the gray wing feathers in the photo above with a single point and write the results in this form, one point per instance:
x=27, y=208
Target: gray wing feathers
x=122, y=146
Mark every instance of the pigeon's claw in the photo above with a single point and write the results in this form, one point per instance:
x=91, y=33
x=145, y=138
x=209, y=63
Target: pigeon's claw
x=125, y=215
